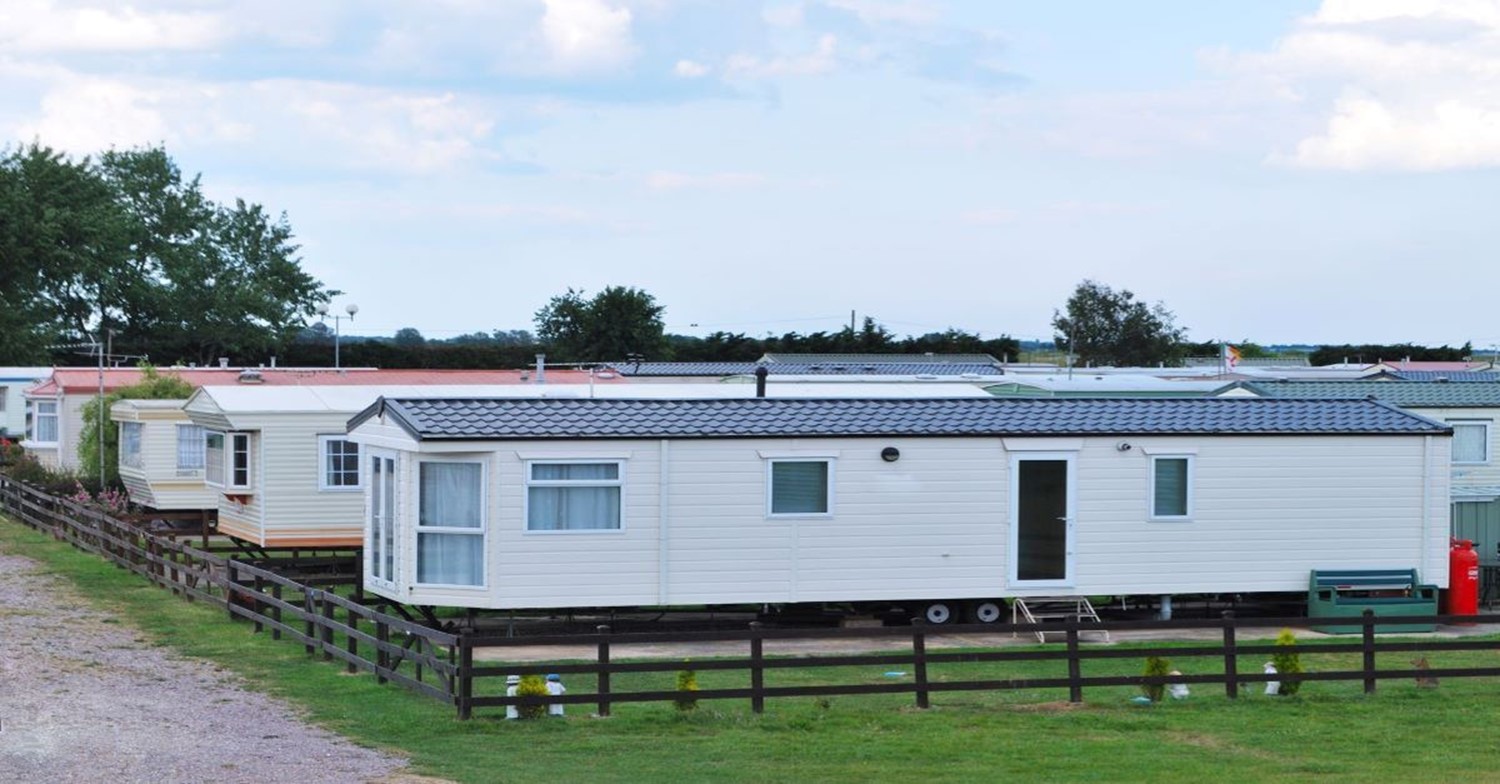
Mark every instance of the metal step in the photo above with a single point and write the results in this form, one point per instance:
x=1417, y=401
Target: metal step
x=1035, y=609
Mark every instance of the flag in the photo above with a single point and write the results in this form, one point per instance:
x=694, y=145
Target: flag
x=1231, y=356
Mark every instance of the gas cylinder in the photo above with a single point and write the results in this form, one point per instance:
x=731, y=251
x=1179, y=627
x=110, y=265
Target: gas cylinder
x=1463, y=578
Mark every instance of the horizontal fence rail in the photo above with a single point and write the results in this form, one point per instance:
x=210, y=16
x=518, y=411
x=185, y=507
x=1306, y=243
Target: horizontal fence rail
x=365, y=639
x=462, y=668
x=1071, y=653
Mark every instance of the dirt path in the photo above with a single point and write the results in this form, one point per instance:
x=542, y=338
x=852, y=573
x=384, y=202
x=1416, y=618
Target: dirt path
x=98, y=704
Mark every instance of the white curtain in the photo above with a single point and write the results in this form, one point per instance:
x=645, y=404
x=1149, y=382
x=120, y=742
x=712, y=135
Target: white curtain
x=46, y=421
x=189, y=447
x=130, y=444
x=450, y=496
x=573, y=507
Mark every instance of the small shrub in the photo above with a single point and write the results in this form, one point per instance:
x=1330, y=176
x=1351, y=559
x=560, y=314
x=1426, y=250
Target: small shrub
x=532, y=686
x=1156, y=666
x=1288, y=663
x=687, y=683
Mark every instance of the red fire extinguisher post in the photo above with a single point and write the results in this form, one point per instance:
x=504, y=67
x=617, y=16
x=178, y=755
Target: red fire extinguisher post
x=1463, y=578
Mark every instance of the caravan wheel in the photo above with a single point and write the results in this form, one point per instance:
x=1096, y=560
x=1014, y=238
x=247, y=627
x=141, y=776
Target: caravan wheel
x=937, y=613
x=987, y=611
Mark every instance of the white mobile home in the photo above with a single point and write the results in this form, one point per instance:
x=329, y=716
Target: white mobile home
x=282, y=473
x=161, y=455
x=14, y=381
x=516, y=503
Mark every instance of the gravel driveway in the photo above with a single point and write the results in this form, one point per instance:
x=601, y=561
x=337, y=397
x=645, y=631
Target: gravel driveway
x=83, y=699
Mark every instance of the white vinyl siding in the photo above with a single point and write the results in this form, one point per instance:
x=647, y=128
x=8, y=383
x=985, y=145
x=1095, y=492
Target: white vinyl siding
x=799, y=488
x=338, y=464
x=450, y=523
x=573, y=496
x=1471, y=442
x=130, y=444
x=190, y=452
x=1171, y=488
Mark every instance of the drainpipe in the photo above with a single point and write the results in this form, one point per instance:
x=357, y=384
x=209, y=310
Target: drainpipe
x=760, y=381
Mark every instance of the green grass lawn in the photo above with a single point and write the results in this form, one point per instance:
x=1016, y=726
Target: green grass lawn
x=1330, y=732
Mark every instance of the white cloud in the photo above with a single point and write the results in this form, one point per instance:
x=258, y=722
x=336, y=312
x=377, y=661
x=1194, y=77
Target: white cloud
x=688, y=69
x=911, y=12
x=587, y=35
x=85, y=115
x=822, y=59
x=1407, y=85
x=42, y=26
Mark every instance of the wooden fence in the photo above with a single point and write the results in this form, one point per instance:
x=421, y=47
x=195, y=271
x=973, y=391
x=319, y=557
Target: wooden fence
x=1225, y=649
x=444, y=666
x=326, y=624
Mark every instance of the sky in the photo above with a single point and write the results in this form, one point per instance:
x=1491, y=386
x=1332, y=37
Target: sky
x=1271, y=170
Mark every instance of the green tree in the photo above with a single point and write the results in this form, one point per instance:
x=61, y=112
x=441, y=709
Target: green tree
x=1102, y=326
x=152, y=386
x=613, y=324
x=60, y=233
x=409, y=337
x=125, y=243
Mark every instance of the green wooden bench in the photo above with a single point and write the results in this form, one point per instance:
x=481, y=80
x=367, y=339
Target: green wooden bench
x=1347, y=593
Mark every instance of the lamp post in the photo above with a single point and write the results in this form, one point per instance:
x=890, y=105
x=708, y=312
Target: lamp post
x=351, y=309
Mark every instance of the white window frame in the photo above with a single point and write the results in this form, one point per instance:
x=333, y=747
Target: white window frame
x=4, y=396
x=202, y=452
x=33, y=425
x=323, y=469
x=1484, y=423
x=483, y=531
x=131, y=458
x=1191, y=461
x=374, y=500
x=235, y=441
x=618, y=481
x=771, y=463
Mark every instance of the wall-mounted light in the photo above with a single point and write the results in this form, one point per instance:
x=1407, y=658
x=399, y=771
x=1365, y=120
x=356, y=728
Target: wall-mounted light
x=890, y=454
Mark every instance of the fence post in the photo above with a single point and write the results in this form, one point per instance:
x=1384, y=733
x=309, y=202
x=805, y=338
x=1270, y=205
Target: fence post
x=260, y=609
x=919, y=662
x=275, y=610
x=465, y=676
x=382, y=658
x=604, y=672
x=309, y=619
x=1231, y=658
x=351, y=642
x=234, y=580
x=327, y=630
x=1367, y=631
x=757, y=670
x=1075, y=665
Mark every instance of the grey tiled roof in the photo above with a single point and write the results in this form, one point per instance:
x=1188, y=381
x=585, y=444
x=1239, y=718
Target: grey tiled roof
x=1463, y=377
x=529, y=418
x=1407, y=394
x=804, y=369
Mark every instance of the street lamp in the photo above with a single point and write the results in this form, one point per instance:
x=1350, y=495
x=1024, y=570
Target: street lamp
x=323, y=313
